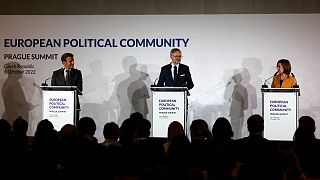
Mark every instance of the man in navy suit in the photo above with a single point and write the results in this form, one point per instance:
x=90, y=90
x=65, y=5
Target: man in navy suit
x=68, y=76
x=175, y=74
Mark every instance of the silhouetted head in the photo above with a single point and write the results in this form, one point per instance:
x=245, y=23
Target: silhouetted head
x=199, y=130
x=44, y=129
x=222, y=129
x=20, y=125
x=136, y=115
x=304, y=136
x=86, y=126
x=308, y=122
x=5, y=127
x=111, y=130
x=143, y=125
x=255, y=124
x=175, y=129
x=68, y=131
x=128, y=131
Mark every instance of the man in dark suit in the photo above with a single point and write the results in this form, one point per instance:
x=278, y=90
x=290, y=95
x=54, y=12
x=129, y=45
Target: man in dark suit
x=175, y=74
x=68, y=76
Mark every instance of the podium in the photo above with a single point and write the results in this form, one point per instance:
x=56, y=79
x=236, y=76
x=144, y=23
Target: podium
x=280, y=111
x=168, y=104
x=59, y=104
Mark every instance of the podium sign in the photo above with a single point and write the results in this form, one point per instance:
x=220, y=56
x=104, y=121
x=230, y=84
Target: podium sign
x=169, y=104
x=59, y=105
x=280, y=113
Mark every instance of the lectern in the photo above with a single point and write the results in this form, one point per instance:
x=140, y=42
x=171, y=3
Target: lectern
x=280, y=111
x=59, y=104
x=168, y=104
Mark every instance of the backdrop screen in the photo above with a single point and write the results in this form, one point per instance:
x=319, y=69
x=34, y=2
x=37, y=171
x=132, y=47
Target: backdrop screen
x=229, y=57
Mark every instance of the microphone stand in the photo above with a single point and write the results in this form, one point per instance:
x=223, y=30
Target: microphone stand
x=265, y=81
x=154, y=83
x=45, y=82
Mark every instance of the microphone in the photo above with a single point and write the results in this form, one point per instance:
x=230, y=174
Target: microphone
x=154, y=83
x=45, y=81
x=265, y=81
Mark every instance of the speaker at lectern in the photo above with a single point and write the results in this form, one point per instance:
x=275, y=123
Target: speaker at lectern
x=280, y=111
x=59, y=104
x=168, y=104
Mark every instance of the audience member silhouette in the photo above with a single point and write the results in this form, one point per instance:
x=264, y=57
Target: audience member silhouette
x=199, y=130
x=128, y=132
x=308, y=122
x=222, y=130
x=74, y=152
x=143, y=126
x=111, y=134
x=307, y=149
x=175, y=129
x=199, y=149
x=19, y=148
x=222, y=158
x=112, y=149
x=89, y=153
x=67, y=138
x=126, y=165
x=148, y=153
x=5, y=128
x=179, y=164
x=254, y=148
x=306, y=146
x=44, y=151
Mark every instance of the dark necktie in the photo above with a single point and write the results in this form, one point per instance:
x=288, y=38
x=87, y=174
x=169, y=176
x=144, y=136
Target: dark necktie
x=175, y=74
x=68, y=77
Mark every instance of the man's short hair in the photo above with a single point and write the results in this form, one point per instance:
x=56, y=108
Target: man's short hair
x=65, y=55
x=111, y=130
x=307, y=121
x=174, y=50
x=86, y=125
x=255, y=124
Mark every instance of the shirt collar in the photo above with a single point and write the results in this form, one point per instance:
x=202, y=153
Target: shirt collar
x=172, y=65
x=64, y=69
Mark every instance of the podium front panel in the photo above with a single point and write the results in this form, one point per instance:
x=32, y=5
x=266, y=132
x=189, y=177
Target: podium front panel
x=280, y=112
x=167, y=107
x=59, y=107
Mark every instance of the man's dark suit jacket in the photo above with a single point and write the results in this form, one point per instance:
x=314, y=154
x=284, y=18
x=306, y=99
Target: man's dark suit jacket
x=254, y=148
x=75, y=80
x=184, y=77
